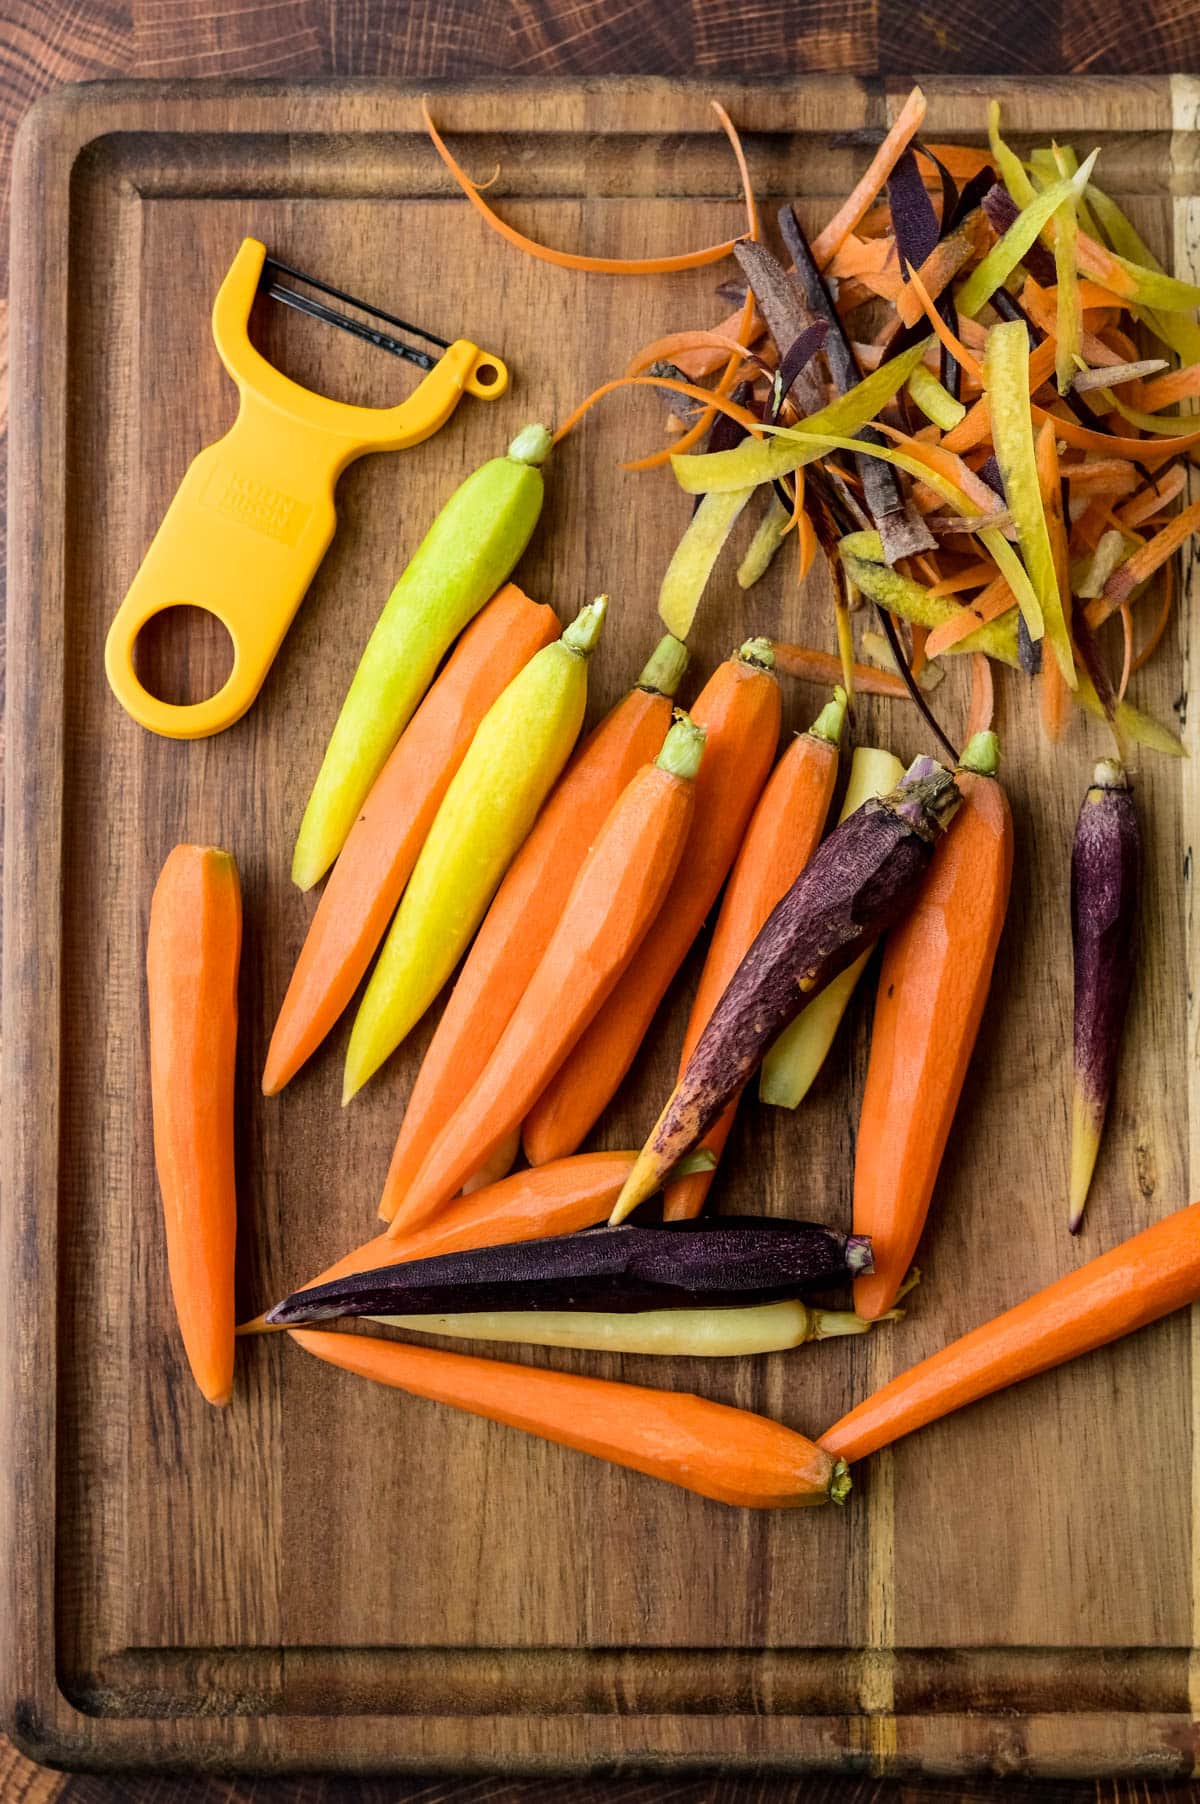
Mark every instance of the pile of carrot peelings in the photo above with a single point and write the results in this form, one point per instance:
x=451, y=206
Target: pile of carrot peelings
x=971, y=390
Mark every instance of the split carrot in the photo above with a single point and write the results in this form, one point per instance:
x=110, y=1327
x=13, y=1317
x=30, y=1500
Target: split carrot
x=781, y=838
x=192, y=956
x=933, y=984
x=611, y=266
x=904, y=130
x=559, y=1198
x=983, y=696
x=612, y=905
x=526, y=907
x=740, y=708
x=811, y=666
x=720, y=1452
x=382, y=846
x=1148, y=1276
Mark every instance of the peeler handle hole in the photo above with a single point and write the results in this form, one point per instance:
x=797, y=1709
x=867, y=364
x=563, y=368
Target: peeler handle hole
x=183, y=654
x=486, y=375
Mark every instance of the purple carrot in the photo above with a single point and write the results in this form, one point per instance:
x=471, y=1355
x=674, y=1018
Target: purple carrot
x=1106, y=882
x=694, y=1264
x=860, y=881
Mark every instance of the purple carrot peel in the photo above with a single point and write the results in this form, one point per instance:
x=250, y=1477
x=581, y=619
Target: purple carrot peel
x=1106, y=881
x=860, y=881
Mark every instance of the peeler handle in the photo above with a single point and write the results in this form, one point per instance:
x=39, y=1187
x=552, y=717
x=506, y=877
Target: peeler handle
x=254, y=513
x=242, y=539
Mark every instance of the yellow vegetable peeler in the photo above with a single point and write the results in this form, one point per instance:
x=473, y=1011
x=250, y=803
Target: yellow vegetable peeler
x=254, y=514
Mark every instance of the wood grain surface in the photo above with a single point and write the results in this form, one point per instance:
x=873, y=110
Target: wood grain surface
x=169, y=40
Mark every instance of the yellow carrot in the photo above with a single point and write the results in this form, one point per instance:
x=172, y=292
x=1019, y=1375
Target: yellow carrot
x=521, y=746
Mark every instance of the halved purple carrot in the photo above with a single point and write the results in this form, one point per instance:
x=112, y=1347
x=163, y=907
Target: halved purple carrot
x=1106, y=881
x=857, y=885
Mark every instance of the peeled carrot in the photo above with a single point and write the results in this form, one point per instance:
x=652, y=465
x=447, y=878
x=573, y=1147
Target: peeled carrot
x=526, y=909
x=933, y=984
x=724, y=1453
x=494, y=797
x=781, y=838
x=192, y=956
x=1155, y=1272
x=558, y=1198
x=612, y=904
x=740, y=709
x=382, y=846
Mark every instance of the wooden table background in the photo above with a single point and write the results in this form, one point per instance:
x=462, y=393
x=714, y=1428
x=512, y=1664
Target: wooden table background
x=47, y=42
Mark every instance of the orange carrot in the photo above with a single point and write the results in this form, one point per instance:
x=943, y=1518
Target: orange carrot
x=781, y=838
x=933, y=983
x=1155, y=1272
x=559, y=1198
x=812, y=666
x=905, y=129
x=739, y=706
x=611, y=266
x=942, y=265
x=1147, y=451
x=724, y=1453
x=611, y=906
x=526, y=908
x=192, y=956
x=374, y=864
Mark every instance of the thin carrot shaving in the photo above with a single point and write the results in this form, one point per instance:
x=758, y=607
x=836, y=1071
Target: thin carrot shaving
x=1054, y=698
x=609, y=266
x=944, y=335
x=1161, y=493
x=718, y=403
x=942, y=461
x=962, y=161
x=942, y=265
x=677, y=344
x=975, y=427
x=1144, y=562
x=1089, y=527
x=812, y=666
x=735, y=143
x=1127, y=657
x=861, y=196
x=995, y=600
x=863, y=257
x=1176, y=385
x=1141, y=450
x=1164, y=614
x=733, y=368
x=919, y=636
x=1105, y=476
x=983, y=696
x=973, y=577
x=808, y=545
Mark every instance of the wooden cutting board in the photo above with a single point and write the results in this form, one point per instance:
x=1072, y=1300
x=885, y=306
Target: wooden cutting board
x=328, y=1575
